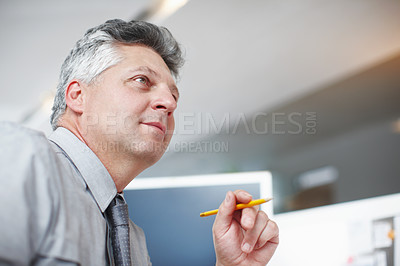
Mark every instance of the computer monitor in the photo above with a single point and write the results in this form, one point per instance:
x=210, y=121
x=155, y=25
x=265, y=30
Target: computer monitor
x=168, y=210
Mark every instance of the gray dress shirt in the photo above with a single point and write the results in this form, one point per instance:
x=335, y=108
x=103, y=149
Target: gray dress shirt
x=53, y=195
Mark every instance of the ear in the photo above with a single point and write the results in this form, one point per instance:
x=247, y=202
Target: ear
x=74, y=96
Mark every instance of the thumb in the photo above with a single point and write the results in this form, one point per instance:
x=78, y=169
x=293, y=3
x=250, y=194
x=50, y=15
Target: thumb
x=224, y=217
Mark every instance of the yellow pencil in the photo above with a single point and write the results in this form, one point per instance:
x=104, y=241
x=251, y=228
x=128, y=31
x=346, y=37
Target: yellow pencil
x=238, y=206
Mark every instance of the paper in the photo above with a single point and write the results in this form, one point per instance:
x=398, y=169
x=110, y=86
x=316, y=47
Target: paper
x=360, y=237
x=381, y=234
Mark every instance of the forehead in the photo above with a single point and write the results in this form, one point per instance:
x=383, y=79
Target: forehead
x=138, y=55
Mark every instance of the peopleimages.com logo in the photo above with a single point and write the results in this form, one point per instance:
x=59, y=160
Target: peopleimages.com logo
x=203, y=125
x=260, y=123
x=276, y=123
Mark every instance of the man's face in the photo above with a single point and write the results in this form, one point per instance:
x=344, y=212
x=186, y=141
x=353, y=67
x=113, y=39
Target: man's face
x=129, y=107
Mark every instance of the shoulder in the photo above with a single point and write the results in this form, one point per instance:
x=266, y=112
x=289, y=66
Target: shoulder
x=28, y=171
x=14, y=135
x=26, y=156
x=11, y=127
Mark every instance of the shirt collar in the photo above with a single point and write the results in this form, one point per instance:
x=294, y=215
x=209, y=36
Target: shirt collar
x=88, y=164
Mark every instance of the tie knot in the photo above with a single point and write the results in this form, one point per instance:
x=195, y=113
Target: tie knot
x=117, y=212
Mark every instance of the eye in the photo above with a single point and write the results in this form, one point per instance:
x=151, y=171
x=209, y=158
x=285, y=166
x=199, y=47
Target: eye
x=142, y=80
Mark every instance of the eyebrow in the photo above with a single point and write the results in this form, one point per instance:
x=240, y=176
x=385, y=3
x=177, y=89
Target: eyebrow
x=145, y=69
x=173, y=88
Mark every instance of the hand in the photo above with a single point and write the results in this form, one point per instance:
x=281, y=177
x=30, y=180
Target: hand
x=243, y=237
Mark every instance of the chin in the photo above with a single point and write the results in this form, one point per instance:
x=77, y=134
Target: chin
x=151, y=152
x=149, y=159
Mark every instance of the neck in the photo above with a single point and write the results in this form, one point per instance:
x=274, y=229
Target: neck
x=122, y=167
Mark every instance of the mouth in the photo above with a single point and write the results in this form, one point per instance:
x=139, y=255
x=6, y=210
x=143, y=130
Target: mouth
x=158, y=125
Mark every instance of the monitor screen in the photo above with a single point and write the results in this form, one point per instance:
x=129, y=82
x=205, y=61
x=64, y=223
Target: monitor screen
x=168, y=211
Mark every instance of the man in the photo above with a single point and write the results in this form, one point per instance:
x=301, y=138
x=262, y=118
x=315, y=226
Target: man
x=113, y=118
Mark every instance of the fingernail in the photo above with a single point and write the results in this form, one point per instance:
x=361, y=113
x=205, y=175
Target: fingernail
x=246, y=247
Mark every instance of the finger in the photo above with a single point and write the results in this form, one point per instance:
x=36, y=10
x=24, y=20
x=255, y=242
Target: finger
x=248, y=217
x=225, y=214
x=242, y=196
x=269, y=248
x=269, y=234
x=251, y=236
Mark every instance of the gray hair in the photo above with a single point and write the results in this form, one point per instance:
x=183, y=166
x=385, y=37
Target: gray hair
x=96, y=52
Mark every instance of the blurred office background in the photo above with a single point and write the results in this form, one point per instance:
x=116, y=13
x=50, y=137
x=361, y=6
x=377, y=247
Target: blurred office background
x=309, y=89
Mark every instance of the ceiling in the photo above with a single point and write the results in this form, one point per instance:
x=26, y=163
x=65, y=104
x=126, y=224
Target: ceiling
x=339, y=59
x=36, y=36
x=242, y=56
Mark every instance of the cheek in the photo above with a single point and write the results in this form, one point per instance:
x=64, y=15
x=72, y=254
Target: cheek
x=171, y=124
x=100, y=101
x=128, y=121
x=170, y=130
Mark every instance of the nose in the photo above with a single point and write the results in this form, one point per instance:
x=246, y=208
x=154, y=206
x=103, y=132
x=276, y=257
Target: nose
x=164, y=101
